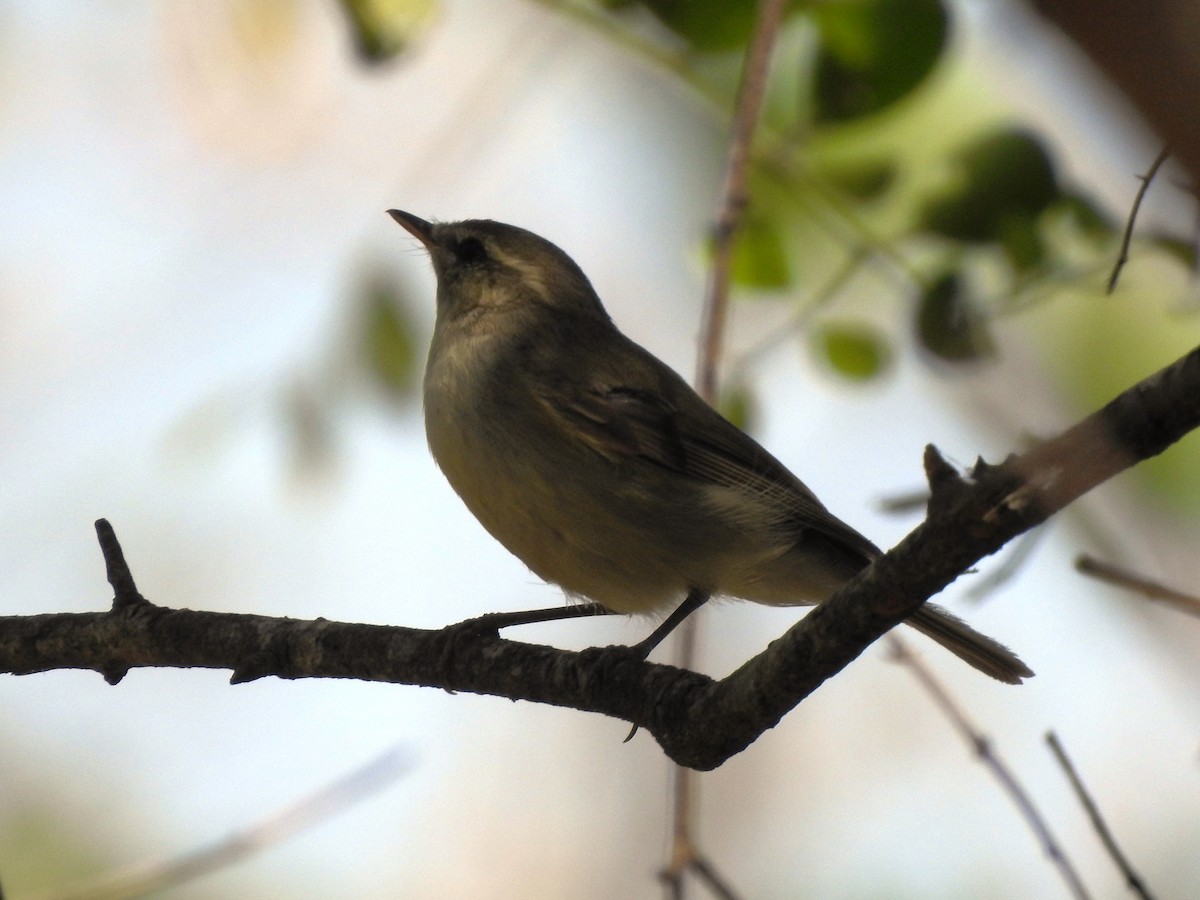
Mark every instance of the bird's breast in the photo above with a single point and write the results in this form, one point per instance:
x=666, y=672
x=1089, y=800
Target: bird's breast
x=562, y=509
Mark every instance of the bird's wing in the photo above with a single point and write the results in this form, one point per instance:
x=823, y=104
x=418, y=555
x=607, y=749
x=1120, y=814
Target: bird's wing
x=668, y=425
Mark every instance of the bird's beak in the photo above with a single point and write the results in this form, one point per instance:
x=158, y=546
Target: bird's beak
x=418, y=228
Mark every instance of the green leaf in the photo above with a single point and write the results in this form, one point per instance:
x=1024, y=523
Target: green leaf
x=854, y=351
x=1092, y=221
x=1004, y=177
x=760, y=258
x=1022, y=242
x=311, y=428
x=949, y=326
x=864, y=180
x=383, y=29
x=874, y=52
x=388, y=345
x=739, y=405
x=1184, y=251
x=709, y=26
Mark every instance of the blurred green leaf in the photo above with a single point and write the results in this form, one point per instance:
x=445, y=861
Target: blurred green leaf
x=854, y=351
x=949, y=326
x=1184, y=251
x=311, y=430
x=388, y=342
x=383, y=29
x=874, y=52
x=708, y=25
x=863, y=180
x=1006, y=176
x=739, y=406
x=1087, y=217
x=1021, y=239
x=760, y=258
x=43, y=845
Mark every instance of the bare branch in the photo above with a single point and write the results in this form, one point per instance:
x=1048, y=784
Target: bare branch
x=734, y=197
x=734, y=191
x=1131, y=877
x=1151, y=56
x=1089, y=565
x=983, y=748
x=1126, y=238
x=144, y=879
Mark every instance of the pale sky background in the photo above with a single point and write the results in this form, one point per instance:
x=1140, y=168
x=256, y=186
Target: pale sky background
x=180, y=229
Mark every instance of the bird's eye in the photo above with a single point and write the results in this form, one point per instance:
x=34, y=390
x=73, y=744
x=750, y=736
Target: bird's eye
x=471, y=250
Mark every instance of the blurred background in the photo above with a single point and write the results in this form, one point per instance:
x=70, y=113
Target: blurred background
x=212, y=335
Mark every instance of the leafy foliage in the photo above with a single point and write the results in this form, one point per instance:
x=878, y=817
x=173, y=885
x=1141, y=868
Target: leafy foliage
x=760, y=256
x=948, y=325
x=868, y=163
x=389, y=345
x=707, y=25
x=1006, y=182
x=738, y=405
x=856, y=352
x=383, y=29
x=874, y=52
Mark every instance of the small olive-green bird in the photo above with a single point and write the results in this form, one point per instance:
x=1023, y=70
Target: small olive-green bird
x=600, y=468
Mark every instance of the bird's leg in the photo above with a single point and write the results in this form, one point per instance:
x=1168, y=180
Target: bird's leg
x=496, y=621
x=692, y=602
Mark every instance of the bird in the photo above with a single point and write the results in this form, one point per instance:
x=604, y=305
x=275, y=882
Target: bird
x=601, y=469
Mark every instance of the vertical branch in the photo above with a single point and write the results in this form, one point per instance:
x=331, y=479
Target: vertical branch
x=733, y=201
x=125, y=592
x=735, y=192
x=734, y=198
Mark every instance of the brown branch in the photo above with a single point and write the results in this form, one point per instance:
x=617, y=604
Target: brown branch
x=982, y=746
x=752, y=89
x=1127, y=238
x=1149, y=51
x=698, y=722
x=735, y=192
x=160, y=875
x=1089, y=565
x=125, y=592
x=1132, y=879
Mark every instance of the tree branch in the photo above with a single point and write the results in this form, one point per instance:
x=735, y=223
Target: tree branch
x=698, y=722
x=1149, y=51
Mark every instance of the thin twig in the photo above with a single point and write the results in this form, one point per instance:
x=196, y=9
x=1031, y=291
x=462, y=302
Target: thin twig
x=800, y=319
x=1089, y=565
x=703, y=870
x=734, y=198
x=685, y=856
x=982, y=746
x=905, y=503
x=154, y=877
x=1131, y=877
x=735, y=191
x=1014, y=560
x=1127, y=237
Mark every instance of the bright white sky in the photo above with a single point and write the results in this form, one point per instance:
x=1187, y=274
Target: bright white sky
x=176, y=248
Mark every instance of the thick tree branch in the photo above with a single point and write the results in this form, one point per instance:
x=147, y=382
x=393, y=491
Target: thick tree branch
x=1148, y=49
x=699, y=722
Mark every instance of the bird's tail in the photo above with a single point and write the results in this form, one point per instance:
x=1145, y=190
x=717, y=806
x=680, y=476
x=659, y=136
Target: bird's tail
x=987, y=655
